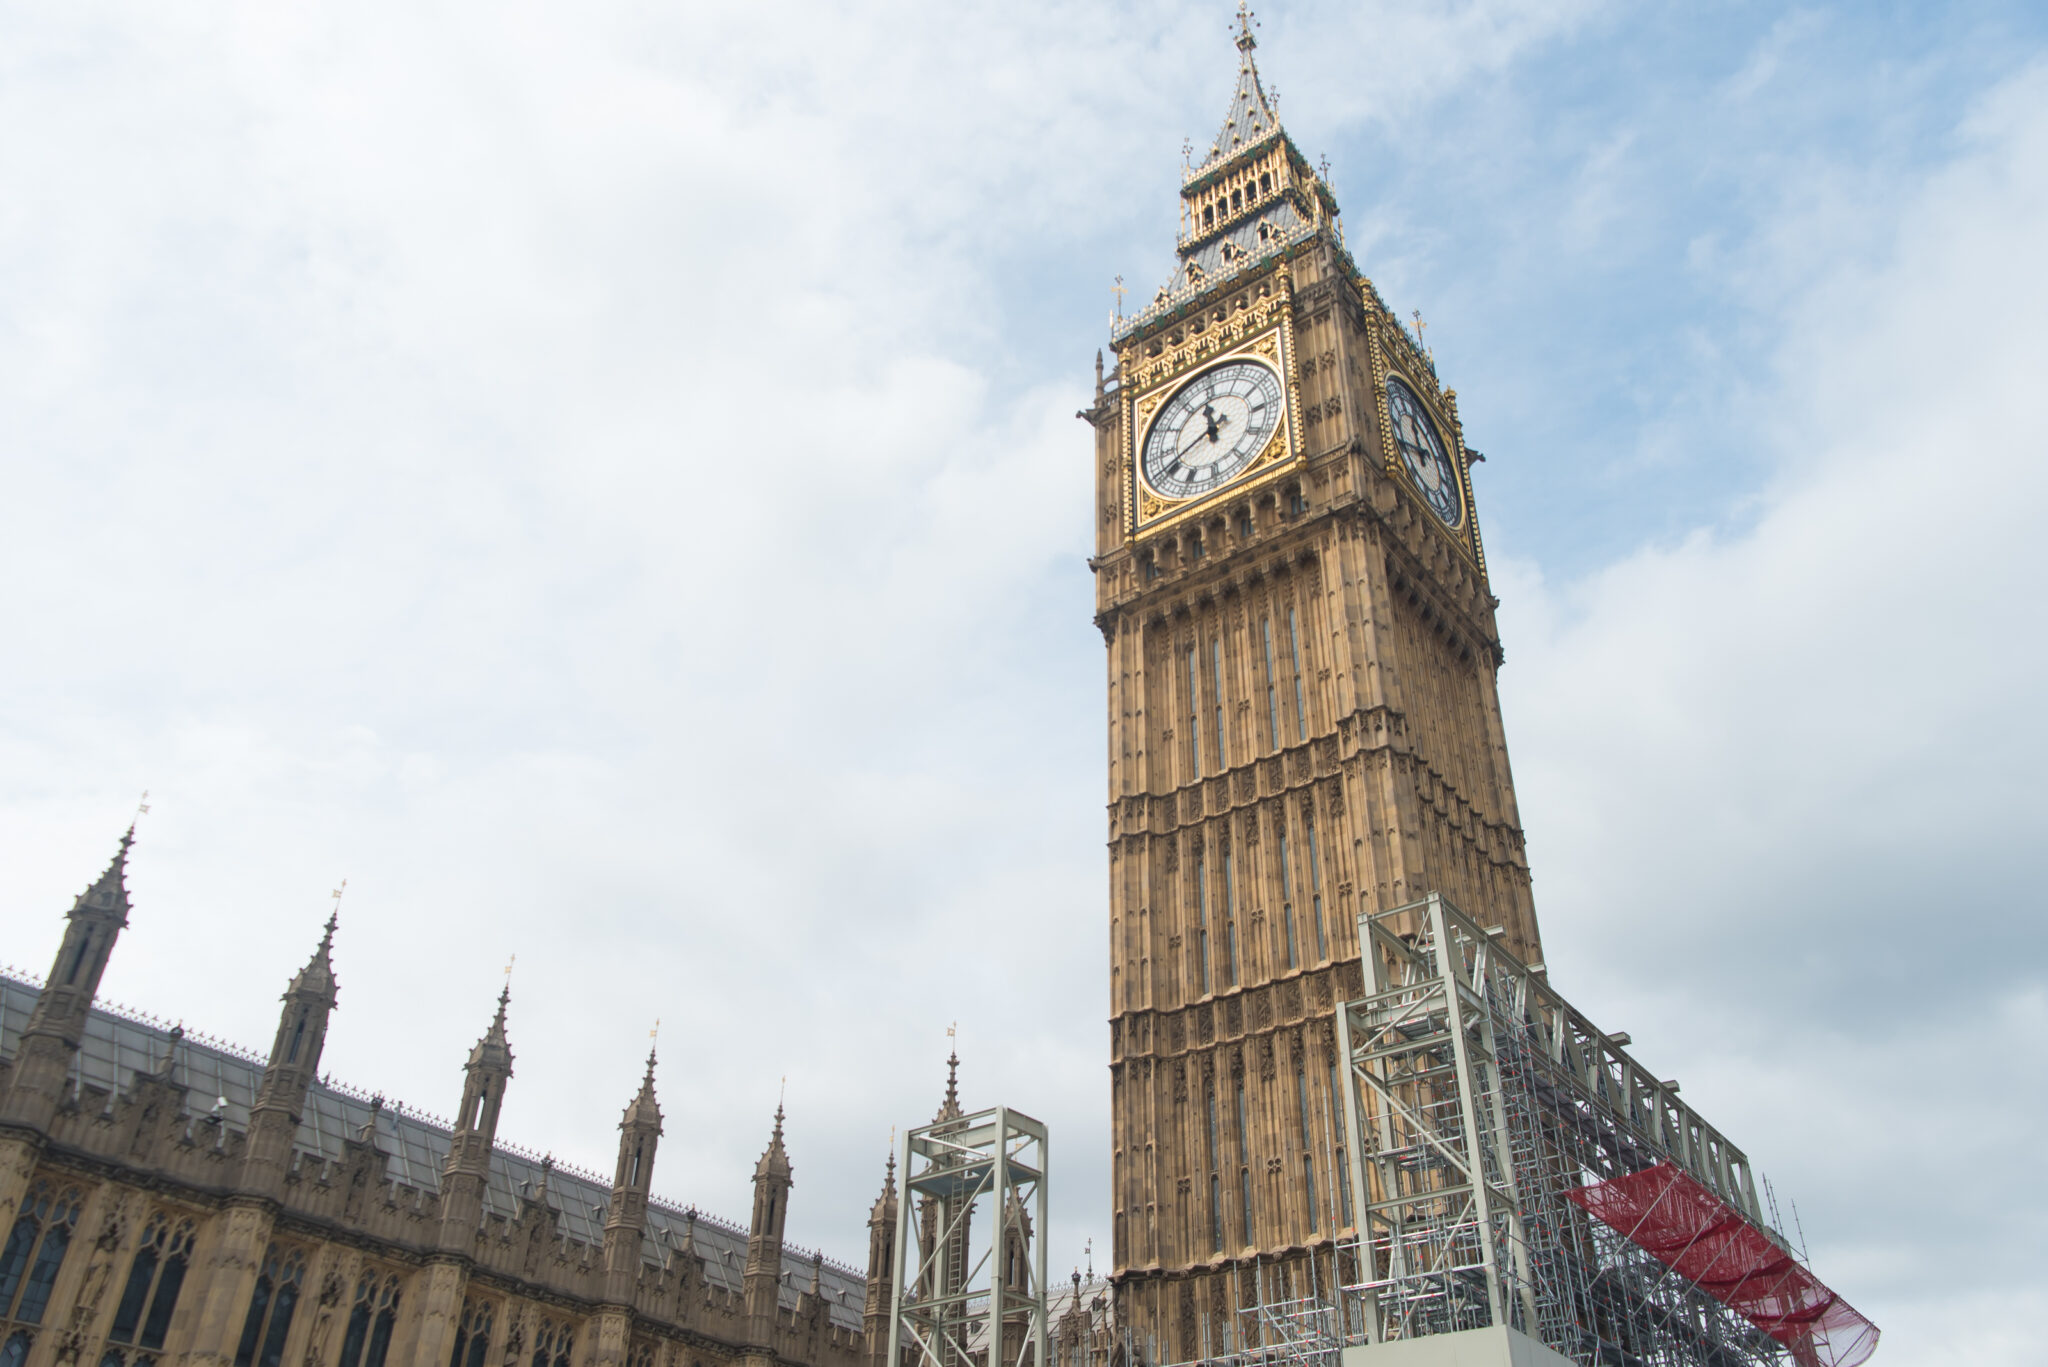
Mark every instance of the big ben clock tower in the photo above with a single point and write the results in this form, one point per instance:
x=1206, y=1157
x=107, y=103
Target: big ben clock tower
x=1303, y=723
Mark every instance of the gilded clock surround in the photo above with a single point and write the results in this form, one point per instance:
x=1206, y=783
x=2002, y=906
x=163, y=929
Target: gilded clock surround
x=1235, y=336
x=1417, y=370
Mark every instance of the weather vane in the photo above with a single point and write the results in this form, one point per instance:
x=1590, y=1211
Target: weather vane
x=1118, y=290
x=336, y=895
x=142, y=807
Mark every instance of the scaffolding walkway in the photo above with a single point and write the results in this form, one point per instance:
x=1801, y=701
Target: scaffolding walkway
x=1522, y=1169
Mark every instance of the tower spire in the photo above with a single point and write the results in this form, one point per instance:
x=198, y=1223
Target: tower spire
x=1251, y=117
x=56, y=1023
x=949, y=1108
x=309, y=1001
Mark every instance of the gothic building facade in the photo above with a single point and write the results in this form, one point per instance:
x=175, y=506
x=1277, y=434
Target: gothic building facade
x=171, y=1201
x=1303, y=723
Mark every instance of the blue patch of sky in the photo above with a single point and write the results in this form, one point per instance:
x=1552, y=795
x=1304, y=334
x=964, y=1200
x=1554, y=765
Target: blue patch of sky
x=1590, y=236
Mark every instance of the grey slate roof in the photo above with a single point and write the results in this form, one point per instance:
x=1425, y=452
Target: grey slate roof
x=116, y=1047
x=1251, y=115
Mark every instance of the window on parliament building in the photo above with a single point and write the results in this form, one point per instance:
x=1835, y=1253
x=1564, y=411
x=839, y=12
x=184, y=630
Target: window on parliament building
x=553, y=1345
x=472, y=1335
x=370, y=1322
x=154, y=1279
x=270, y=1309
x=33, y=1253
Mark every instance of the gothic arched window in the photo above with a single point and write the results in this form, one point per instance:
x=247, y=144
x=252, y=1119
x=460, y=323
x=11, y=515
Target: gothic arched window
x=33, y=1253
x=154, y=1279
x=472, y=1336
x=370, y=1322
x=553, y=1345
x=270, y=1309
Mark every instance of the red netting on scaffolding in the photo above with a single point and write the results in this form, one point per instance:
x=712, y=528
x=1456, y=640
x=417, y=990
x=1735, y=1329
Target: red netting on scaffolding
x=1681, y=1224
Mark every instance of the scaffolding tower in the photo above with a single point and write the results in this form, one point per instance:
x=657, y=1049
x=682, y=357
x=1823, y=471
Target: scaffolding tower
x=1519, y=1168
x=959, y=1301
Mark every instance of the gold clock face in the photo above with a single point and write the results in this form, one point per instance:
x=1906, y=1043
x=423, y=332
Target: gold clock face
x=1212, y=428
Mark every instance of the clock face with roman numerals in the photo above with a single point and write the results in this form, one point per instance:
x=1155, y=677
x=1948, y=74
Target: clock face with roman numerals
x=1212, y=429
x=1422, y=451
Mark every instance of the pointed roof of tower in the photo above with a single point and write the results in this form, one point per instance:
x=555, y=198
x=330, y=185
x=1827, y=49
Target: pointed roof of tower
x=949, y=1109
x=317, y=977
x=493, y=1051
x=1251, y=117
x=1232, y=220
x=643, y=1109
x=109, y=891
x=774, y=1159
x=887, y=1200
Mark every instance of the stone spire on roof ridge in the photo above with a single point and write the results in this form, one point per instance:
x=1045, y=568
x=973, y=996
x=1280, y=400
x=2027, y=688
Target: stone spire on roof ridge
x=109, y=892
x=643, y=1106
x=775, y=1158
x=317, y=976
x=1251, y=117
x=949, y=1109
x=494, y=1047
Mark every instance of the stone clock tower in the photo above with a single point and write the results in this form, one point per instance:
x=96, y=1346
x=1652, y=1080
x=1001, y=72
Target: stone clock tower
x=1303, y=723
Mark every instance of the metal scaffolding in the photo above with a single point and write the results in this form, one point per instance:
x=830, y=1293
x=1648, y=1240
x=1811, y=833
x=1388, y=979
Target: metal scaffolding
x=959, y=1302
x=1489, y=1123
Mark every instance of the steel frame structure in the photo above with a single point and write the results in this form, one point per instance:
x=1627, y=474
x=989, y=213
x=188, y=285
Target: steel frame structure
x=958, y=1301
x=1475, y=1098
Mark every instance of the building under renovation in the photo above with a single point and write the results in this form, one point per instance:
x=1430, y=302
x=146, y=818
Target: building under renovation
x=1344, y=1114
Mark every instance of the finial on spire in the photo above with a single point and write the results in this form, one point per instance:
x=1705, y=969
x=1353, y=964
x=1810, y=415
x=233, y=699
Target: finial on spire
x=333, y=916
x=505, y=993
x=1246, y=22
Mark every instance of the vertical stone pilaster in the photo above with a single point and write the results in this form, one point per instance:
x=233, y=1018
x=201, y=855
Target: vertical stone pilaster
x=611, y=1337
x=229, y=1257
x=18, y=1156
x=440, y=1287
x=326, y=1298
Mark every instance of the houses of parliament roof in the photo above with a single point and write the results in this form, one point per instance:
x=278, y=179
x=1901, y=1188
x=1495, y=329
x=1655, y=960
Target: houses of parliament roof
x=221, y=1086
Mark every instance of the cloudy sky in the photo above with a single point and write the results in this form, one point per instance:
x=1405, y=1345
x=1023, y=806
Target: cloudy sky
x=603, y=479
